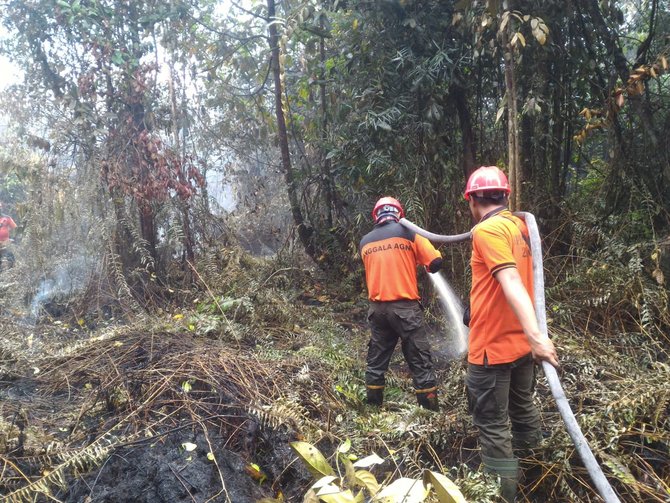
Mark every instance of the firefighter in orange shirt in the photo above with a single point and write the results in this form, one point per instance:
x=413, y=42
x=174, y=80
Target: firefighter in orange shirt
x=504, y=333
x=390, y=253
x=7, y=224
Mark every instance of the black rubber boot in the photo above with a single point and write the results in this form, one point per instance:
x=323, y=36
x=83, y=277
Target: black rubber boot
x=508, y=470
x=525, y=442
x=428, y=400
x=526, y=447
x=375, y=396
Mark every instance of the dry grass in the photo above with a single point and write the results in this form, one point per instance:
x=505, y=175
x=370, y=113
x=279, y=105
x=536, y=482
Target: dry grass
x=291, y=363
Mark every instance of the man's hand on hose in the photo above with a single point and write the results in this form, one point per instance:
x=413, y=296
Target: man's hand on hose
x=519, y=300
x=543, y=350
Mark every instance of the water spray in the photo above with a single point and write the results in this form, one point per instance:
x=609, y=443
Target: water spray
x=452, y=308
x=602, y=484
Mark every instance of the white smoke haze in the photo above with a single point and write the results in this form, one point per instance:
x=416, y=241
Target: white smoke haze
x=69, y=278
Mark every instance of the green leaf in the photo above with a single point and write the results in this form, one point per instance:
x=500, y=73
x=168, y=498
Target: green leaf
x=500, y=113
x=316, y=463
x=327, y=489
x=505, y=20
x=338, y=497
x=403, y=490
x=310, y=497
x=384, y=125
x=446, y=490
x=227, y=303
x=368, y=461
x=349, y=471
x=366, y=479
x=344, y=448
x=521, y=38
x=620, y=470
x=117, y=58
x=540, y=35
x=324, y=481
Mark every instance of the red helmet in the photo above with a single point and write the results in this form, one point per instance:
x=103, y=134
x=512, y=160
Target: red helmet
x=387, y=207
x=489, y=179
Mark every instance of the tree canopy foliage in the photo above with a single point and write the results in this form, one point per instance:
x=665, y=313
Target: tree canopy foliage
x=146, y=135
x=377, y=97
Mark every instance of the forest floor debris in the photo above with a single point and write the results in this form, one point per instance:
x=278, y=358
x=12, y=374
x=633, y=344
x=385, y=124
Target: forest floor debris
x=200, y=404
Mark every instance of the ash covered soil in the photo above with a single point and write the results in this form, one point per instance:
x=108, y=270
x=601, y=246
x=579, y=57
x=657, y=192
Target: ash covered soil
x=135, y=413
x=201, y=404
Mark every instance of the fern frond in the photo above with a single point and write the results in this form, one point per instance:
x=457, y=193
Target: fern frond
x=123, y=289
x=81, y=460
x=281, y=413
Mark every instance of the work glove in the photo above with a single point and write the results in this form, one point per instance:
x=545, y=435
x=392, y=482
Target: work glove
x=466, y=315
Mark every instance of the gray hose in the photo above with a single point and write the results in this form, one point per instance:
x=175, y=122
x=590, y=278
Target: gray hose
x=602, y=485
x=437, y=238
x=592, y=466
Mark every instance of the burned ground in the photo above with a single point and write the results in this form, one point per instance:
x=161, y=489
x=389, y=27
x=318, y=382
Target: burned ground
x=201, y=402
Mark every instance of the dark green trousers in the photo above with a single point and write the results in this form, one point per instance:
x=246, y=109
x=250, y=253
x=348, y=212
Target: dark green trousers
x=499, y=395
x=390, y=321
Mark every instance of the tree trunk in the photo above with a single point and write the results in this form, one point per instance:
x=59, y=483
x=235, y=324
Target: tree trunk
x=304, y=232
x=512, y=126
x=559, y=130
x=457, y=93
x=326, y=177
x=137, y=111
x=621, y=64
x=183, y=205
x=637, y=103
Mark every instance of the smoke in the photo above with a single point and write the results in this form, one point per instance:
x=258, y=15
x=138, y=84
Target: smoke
x=66, y=280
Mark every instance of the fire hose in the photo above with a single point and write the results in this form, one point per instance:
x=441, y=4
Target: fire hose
x=602, y=485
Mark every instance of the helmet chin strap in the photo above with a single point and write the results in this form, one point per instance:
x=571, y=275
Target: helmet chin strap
x=385, y=218
x=387, y=212
x=493, y=212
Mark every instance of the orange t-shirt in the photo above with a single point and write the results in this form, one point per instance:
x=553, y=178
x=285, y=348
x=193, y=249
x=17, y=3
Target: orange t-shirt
x=390, y=253
x=496, y=335
x=6, y=224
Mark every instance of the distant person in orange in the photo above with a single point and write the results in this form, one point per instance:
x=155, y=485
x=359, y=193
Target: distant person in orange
x=505, y=339
x=391, y=253
x=6, y=225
